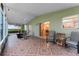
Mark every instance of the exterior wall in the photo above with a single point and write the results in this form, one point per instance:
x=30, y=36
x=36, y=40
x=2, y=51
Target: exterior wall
x=55, y=19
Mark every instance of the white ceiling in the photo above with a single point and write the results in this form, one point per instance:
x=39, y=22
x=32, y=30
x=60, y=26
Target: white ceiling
x=22, y=13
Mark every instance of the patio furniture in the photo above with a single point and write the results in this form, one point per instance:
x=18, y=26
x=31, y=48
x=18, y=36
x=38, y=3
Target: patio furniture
x=51, y=36
x=78, y=47
x=60, y=39
x=20, y=35
x=74, y=40
x=25, y=35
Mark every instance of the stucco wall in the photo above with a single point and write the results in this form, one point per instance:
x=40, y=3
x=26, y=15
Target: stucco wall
x=55, y=19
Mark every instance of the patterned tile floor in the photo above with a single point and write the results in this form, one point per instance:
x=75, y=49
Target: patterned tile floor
x=35, y=47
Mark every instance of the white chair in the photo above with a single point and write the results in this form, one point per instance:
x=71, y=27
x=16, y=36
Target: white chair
x=73, y=39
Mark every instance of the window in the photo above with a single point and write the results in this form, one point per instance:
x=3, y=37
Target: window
x=71, y=22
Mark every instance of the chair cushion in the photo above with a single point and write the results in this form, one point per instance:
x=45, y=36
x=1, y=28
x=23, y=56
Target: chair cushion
x=74, y=36
x=72, y=42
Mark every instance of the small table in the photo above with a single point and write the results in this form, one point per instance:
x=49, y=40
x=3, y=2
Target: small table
x=20, y=35
x=61, y=41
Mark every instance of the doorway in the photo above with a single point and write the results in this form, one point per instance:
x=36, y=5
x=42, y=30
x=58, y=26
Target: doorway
x=44, y=29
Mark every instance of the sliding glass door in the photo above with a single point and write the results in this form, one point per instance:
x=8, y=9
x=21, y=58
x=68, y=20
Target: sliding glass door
x=1, y=25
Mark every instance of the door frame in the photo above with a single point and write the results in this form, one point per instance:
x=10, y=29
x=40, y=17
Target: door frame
x=40, y=27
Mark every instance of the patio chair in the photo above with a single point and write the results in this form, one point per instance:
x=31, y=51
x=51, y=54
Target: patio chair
x=73, y=40
x=51, y=36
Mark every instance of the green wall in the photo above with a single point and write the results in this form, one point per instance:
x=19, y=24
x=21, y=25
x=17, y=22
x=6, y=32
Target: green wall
x=55, y=19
